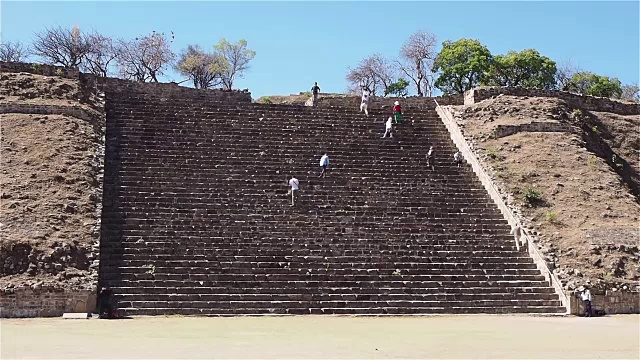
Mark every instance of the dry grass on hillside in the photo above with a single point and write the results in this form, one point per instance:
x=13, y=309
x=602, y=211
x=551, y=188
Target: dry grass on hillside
x=48, y=186
x=587, y=215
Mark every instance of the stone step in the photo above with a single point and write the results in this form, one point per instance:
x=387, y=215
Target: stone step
x=277, y=297
x=336, y=304
x=388, y=310
x=340, y=291
x=310, y=285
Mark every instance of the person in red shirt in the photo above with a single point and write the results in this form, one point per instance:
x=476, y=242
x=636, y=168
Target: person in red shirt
x=397, y=112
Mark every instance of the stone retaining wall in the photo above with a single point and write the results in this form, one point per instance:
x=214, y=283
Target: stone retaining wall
x=166, y=90
x=114, y=85
x=39, y=69
x=612, y=302
x=575, y=101
x=534, y=126
x=78, y=112
x=353, y=101
x=28, y=302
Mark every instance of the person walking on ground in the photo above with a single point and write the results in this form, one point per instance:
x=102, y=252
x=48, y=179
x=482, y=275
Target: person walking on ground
x=431, y=159
x=324, y=164
x=388, y=128
x=457, y=157
x=397, y=112
x=295, y=190
x=364, y=105
x=585, y=295
x=315, y=90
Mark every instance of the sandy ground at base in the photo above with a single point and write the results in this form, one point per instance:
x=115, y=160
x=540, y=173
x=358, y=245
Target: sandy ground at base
x=318, y=337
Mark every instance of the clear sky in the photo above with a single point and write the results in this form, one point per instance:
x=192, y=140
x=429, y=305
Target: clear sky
x=298, y=43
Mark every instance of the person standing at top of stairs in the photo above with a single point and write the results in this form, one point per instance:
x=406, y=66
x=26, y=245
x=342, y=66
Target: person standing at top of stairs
x=315, y=90
x=364, y=105
x=397, y=112
x=324, y=164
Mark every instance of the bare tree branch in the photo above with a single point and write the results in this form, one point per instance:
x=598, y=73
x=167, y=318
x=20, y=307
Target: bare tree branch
x=60, y=46
x=101, y=54
x=417, y=55
x=374, y=74
x=564, y=73
x=144, y=58
x=13, y=52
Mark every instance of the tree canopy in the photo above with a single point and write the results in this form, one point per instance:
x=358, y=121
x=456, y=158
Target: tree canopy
x=204, y=69
x=461, y=65
x=237, y=57
x=144, y=58
x=588, y=83
x=62, y=46
x=526, y=68
x=416, y=59
x=374, y=73
x=13, y=51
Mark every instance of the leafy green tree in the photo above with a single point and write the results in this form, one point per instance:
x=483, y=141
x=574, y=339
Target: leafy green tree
x=526, y=68
x=237, y=57
x=398, y=88
x=462, y=65
x=588, y=83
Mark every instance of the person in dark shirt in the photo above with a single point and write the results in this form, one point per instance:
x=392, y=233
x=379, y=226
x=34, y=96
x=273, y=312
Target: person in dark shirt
x=315, y=90
x=106, y=308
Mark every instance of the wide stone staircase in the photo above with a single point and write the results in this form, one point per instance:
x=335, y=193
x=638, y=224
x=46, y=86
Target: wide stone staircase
x=197, y=219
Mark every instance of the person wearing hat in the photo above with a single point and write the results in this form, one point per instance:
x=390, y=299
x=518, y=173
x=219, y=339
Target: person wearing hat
x=585, y=295
x=397, y=112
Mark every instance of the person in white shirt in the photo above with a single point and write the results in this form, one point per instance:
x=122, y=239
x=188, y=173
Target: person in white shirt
x=430, y=159
x=388, y=128
x=295, y=190
x=324, y=164
x=585, y=295
x=517, y=234
x=364, y=105
x=457, y=157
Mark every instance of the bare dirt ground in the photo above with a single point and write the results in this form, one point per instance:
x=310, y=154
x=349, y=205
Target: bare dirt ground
x=38, y=89
x=588, y=216
x=284, y=99
x=48, y=183
x=324, y=337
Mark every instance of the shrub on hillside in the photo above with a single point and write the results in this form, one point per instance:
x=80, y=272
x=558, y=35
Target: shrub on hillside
x=532, y=196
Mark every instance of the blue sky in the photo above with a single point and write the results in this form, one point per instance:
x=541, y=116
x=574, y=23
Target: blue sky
x=298, y=43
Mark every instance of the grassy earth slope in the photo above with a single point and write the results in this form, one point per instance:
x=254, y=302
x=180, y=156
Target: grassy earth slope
x=48, y=185
x=588, y=213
